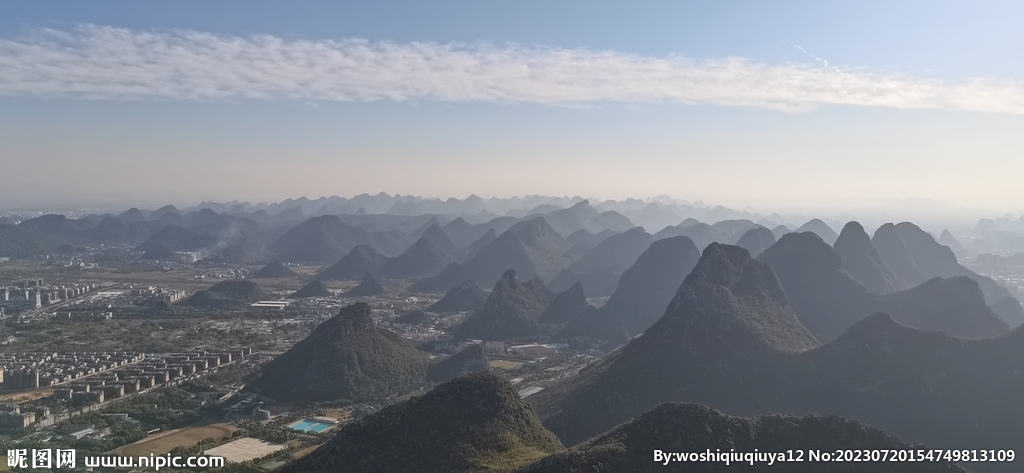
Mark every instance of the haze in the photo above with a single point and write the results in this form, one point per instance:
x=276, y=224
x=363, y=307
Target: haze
x=801, y=107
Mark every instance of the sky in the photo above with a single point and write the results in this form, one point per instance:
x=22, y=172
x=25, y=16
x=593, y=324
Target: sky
x=769, y=105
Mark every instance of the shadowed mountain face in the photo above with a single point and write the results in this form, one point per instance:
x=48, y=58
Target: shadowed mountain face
x=674, y=427
x=178, y=239
x=821, y=229
x=275, y=269
x=915, y=256
x=756, y=240
x=644, y=291
x=599, y=282
x=315, y=288
x=440, y=240
x=226, y=294
x=864, y=263
x=829, y=300
x=476, y=423
x=466, y=296
x=619, y=250
x=361, y=260
x=729, y=307
x=707, y=350
x=368, y=286
x=531, y=247
x=18, y=241
x=346, y=357
x=421, y=259
x=449, y=277
x=511, y=311
x=565, y=307
x=469, y=360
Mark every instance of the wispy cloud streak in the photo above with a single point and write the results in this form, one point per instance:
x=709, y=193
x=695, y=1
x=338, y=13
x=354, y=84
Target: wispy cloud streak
x=112, y=63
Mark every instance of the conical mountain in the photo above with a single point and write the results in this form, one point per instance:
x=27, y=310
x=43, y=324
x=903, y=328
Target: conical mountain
x=893, y=249
x=323, y=239
x=643, y=293
x=531, y=247
x=565, y=307
x=178, y=239
x=821, y=229
x=361, y=260
x=421, y=259
x=864, y=263
x=239, y=249
x=475, y=423
x=756, y=240
x=947, y=239
x=780, y=230
x=449, y=277
x=440, y=240
x=919, y=251
x=599, y=282
x=829, y=300
x=226, y=294
x=511, y=311
x=346, y=357
x=479, y=244
x=132, y=215
x=677, y=427
x=367, y=287
x=468, y=360
x=619, y=251
x=730, y=312
x=464, y=297
x=314, y=288
x=275, y=269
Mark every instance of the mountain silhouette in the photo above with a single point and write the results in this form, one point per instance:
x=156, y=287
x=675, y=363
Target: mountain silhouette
x=864, y=263
x=828, y=300
x=361, y=260
x=475, y=423
x=617, y=251
x=464, y=297
x=226, y=294
x=564, y=307
x=756, y=240
x=421, y=259
x=825, y=232
x=440, y=240
x=368, y=286
x=678, y=427
x=468, y=360
x=449, y=277
x=511, y=311
x=314, y=288
x=599, y=282
x=275, y=269
x=729, y=309
x=345, y=357
x=918, y=257
x=531, y=247
x=644, y=291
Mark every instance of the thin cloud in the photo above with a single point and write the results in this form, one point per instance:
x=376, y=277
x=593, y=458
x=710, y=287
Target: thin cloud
x=99, y=62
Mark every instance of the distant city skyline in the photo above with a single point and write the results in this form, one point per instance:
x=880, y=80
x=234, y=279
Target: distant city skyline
x=748, y=105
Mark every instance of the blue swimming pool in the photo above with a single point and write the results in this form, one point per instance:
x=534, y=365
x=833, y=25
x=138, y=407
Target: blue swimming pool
x=311, y=426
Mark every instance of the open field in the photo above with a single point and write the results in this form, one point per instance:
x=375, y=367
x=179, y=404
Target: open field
x=164, y=442
x=25, y=396
x=244, y=449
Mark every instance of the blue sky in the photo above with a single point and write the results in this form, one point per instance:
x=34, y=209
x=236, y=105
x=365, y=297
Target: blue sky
x=771, y=104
